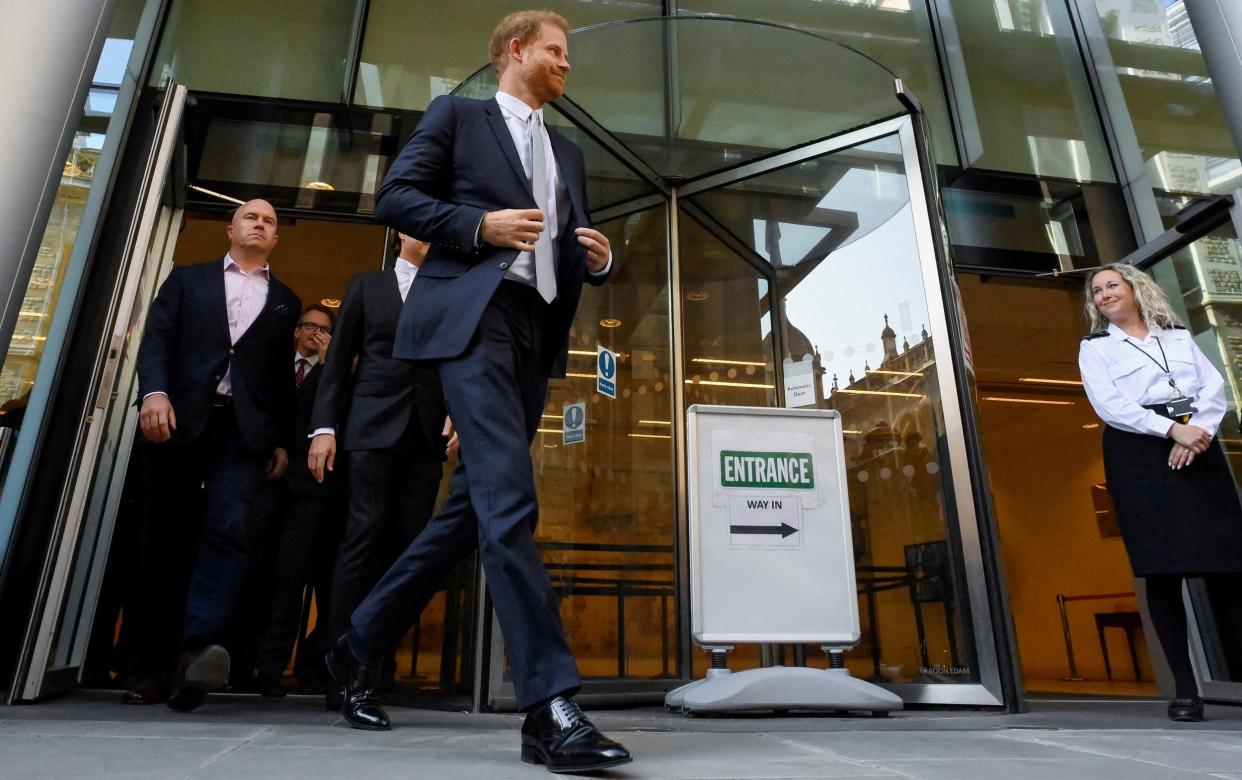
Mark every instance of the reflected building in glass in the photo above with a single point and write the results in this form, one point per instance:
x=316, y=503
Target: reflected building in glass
x=879, y=207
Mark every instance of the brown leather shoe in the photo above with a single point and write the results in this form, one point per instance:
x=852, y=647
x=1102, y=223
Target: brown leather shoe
x=199, y=674
x=145, y=690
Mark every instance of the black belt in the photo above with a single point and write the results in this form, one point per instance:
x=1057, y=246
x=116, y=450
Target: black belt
x=222, y=401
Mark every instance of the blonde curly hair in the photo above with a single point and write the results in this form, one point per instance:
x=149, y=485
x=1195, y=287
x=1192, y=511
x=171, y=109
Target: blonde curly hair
x=1153, y=305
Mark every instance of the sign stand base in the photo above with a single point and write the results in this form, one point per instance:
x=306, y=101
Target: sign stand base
x=780, y=688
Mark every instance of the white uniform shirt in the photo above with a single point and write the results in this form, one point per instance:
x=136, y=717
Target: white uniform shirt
x=1120, y=380
x=406, y=271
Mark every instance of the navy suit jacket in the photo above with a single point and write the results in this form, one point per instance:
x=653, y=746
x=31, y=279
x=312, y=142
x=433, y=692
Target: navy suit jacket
x=459, y=164
x=375, y=406
x=186, y=348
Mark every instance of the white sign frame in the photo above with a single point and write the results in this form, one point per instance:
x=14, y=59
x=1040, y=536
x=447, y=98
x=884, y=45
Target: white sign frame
x=779, y=592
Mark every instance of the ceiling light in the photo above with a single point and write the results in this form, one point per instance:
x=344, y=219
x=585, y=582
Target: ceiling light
x=879, y=392
x=655, y=422
x=894, y=373
x=1089, y=426
x=723, y=361
x=755, y=385
x=1028, y=401
x=554, y=416
x=549, y=430
x=583, y=352
x=696, y=295
x=1039, y=381
x=649, y=436
x=610, y=322
x=579, y=376
x=318, y=185
x=331, y=303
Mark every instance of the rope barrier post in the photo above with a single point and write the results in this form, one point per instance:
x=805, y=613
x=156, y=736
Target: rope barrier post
x=1069, y=642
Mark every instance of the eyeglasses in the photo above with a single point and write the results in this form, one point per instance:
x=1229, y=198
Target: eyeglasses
x=315, y=327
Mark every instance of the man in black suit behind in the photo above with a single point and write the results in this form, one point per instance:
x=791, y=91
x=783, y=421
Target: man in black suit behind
x=307, y=514
x=502, y=198
x=390, y=419
x=217, y=413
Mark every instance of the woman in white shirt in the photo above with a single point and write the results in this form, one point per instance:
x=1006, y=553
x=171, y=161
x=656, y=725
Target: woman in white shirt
x=1176, y=500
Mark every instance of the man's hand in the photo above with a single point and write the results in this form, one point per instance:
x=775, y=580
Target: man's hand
x=322, y=455
x=1192, y=437
x=321, y=344
x=513, y=228
x=597, y=246
x=277, y=465
x=157, y=418
x=1181, y=456
x=454, y=443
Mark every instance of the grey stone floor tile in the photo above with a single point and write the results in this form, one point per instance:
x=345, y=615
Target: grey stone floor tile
x=180, y=729
x=1202, y=752
x=104, y=758
x=657, y=757
x=871, y=746
x=1035, y=769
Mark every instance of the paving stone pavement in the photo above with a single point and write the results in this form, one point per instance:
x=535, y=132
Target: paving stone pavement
x=91, y=735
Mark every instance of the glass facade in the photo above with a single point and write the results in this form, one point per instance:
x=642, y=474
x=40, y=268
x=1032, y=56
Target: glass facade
x=26, y=349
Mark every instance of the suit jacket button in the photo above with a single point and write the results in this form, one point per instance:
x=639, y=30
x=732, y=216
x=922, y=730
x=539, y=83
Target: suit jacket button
x=503, y=266
x=230, y=351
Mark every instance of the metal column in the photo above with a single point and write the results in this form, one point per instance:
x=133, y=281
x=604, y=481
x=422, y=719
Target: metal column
x=1218, y=28
x=48, y=52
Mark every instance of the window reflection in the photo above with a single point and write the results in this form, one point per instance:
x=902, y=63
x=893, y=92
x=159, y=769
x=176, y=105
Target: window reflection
x=838, y=235
x=1177, y=119
x=607, y=523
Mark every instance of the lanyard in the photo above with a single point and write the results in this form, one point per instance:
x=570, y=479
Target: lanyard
x=1162, y=366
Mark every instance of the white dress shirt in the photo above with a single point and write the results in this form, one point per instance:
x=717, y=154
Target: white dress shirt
x=312, y=360
x=406, y=271
x=1122, y=374
x=517, y=118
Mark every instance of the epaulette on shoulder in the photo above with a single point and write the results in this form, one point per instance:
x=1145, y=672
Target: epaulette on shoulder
x=1099, y=334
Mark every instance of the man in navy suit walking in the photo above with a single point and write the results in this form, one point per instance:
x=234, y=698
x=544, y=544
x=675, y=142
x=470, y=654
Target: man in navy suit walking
x=502, y=199
x=217, y=411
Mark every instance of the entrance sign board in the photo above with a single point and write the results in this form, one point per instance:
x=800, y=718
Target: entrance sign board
x=771, y=551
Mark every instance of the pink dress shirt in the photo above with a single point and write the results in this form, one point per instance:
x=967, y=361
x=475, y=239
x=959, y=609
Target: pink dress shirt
x=244, y=295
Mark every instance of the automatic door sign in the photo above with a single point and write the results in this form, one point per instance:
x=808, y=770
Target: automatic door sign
x=606, y=371
x=574, y=425
x=765, y=521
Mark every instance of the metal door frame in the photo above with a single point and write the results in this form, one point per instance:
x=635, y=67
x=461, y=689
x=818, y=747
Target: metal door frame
x=91, y=497
x=968, y=488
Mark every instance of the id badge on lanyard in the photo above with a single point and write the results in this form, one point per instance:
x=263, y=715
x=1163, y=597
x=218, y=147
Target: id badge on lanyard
x=1180, y=407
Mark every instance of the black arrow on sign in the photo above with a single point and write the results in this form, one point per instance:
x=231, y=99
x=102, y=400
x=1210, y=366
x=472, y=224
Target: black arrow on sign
x=784, y=529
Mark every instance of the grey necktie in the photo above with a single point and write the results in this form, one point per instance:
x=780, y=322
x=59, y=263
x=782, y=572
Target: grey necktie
x=545, y=266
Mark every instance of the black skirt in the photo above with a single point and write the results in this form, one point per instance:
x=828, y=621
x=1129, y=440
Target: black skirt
x=1173, y=522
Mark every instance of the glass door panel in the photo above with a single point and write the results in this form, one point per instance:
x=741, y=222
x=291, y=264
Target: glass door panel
x=607, y=524
x=840, y=234
x=1204, y=282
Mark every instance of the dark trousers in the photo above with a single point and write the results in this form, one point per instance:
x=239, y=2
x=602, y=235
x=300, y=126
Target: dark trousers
x=194, y=541
x=392, y=493
x=495, y=393
x=305, y=523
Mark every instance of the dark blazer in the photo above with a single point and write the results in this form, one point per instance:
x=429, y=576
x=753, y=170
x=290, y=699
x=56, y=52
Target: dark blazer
x=186, y=349
x=383, y=398
x=298, y=475
x=460, y=163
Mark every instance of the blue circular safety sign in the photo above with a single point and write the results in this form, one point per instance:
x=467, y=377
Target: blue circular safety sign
x=575, y=416
x=607, y=365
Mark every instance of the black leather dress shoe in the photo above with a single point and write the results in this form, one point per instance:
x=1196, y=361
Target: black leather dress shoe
x=333, y=698
x=360, y=707
x=200, y=673
x=1186, y=710
x=561, y=738
x=145, y=691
